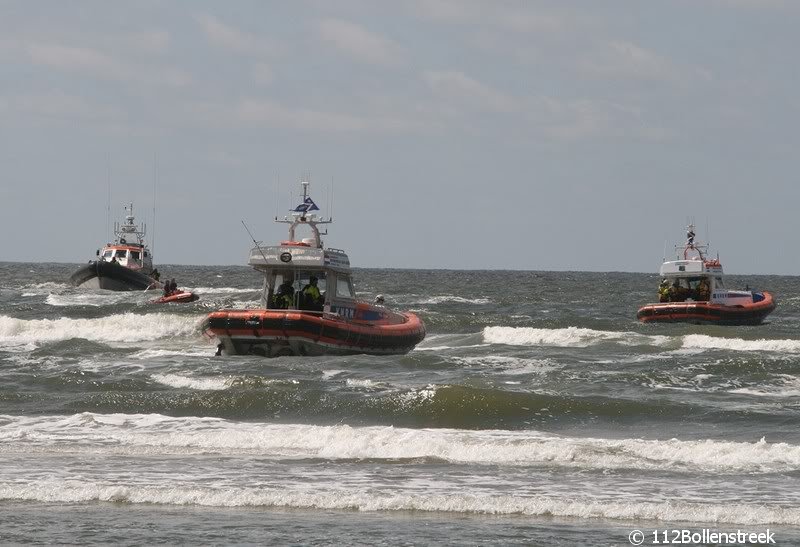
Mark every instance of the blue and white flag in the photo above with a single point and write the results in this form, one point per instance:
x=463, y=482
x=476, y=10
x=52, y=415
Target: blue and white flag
x=306, y=206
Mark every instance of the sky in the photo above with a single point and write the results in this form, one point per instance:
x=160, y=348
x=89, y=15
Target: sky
x=532, y=135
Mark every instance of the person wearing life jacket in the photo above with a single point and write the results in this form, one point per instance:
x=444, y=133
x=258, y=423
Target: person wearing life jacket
x=703, y=290
x=312, y=299
x=284, y=298
x=663, y=291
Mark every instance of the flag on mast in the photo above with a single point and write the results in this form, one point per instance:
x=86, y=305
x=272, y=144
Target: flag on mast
x=307, y=205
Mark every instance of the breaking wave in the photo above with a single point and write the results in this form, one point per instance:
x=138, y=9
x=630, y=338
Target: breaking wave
x=137, y=433
x=564, y=337
x=205, y=384
x=702, y=341
x=126, y=327
x=452, y=298
x=57, y=491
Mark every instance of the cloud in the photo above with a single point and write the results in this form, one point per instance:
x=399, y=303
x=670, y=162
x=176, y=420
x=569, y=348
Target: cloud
x=149, y=41
x=457, y=86
x=262, y=74
x=58, y=104
x=251, y=112
x=626, y=59
x=758, y=4
x=233, y=39
x=521, y=17
x=92, y=61
x=359, y=43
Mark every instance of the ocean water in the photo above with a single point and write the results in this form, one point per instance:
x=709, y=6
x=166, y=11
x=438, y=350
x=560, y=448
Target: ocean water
x=537, y=411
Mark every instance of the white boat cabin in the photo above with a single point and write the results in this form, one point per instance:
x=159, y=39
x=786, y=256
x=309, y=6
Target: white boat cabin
x=129, y=249
x=694, y=278
x=301, y=274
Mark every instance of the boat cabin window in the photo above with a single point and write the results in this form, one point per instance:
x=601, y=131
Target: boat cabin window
x=107, y=254
x=302, y=290
x=344, y=288
x=135, y=255
x=718, y=283
x=121, y=253
x=681, y=289
x=313, y=288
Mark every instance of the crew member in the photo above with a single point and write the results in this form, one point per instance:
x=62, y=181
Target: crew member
x=156, y=274
x=284, y=298
x=379, y=300
x=663, y=291
x=703, y=290
x=312, y=299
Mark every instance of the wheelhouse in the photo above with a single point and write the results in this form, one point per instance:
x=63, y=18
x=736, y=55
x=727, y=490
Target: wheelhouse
x=128, y=249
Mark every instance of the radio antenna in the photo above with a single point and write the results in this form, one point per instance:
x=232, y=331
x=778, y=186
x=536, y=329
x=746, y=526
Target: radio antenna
x=155, y=180
x=254, y=241
x=108, y=194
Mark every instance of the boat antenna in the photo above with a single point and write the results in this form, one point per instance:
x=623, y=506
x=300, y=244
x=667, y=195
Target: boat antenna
x=254, y=241
x=155, y=179
x=108, y=194
x=277, y=192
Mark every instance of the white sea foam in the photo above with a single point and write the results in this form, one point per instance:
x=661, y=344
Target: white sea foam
x=224, y=290
x=362, y=382
x=789, y=386
x=126, y=327
x=565, y=337
x=452, y=298
x=92, y=299
x=508, y=364
x=137, y=433
x=48, y=286
x=207, y=384
x=186, y=352
x=75, y=491
x=702, y=341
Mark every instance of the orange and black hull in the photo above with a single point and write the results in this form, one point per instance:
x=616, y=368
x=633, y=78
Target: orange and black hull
x=178, y=298
x=273, y=333
x=709, y=313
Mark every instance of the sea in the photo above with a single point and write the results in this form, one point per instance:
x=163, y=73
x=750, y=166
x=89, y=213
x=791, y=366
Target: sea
x=537, y=411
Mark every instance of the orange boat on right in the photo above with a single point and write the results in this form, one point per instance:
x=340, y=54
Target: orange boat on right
x=693, y=290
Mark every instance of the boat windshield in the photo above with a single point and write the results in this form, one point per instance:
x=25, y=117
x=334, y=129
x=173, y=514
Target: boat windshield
x=301, y=290
x=680, y=289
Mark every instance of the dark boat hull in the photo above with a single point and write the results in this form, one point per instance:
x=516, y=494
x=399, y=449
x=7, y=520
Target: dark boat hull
x=706, y=313
x=277, y=333
x=112, y=277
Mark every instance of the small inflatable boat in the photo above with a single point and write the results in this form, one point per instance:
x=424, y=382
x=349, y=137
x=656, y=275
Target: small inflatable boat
x=177, y=297
x=693, y=291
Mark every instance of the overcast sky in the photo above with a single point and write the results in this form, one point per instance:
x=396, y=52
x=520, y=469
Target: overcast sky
x=526, y=135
